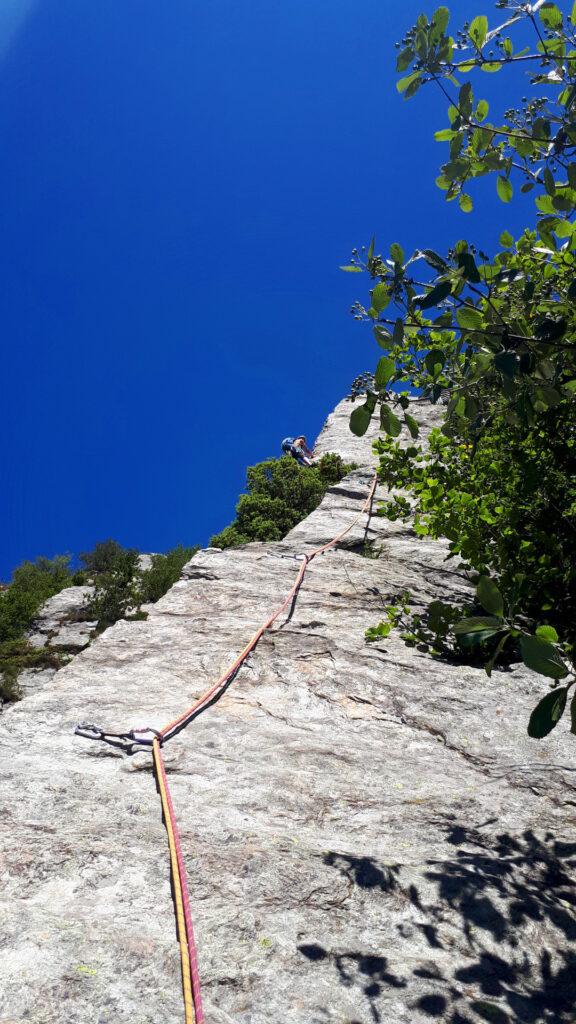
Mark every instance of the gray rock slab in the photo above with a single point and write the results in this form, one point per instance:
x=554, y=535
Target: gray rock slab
x=54, y=624
x=370, y=835
x=30, y=680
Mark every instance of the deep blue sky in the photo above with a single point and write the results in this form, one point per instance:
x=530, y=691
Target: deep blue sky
x=178, y=185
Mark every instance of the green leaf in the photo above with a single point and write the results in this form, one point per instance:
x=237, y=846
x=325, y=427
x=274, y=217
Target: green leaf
x=434, y=362
x=445, y=135
x=489, y=596
x=478, y=30
x=389, y=422
x=383, y=337
x=360, y=420
x=481, y=112
x=351, y=269
x=542, y=657
x=477, y=629
x=491, y=66
x=370, y=252
x=465, y=202
x=545, y=205
x=398, y=336
x=550, y=16
x=547, y=713
x=465, y=99
x=377, y=632
x=573, y=14
x=412, y=425
x=403, y=84
x=564, y=228
x=549, y=329
x=397, y=253
x=547, y=633
x=467, y=263
x=380, y=297
x=384, y=371
x=541, y=128
x=404, y=59
x=504, y=188
x=469, y=319
x=507, y=363
x=549, y=183
x=434, y=259
x=440, y=20
x=506, y=239
x=434, y=296
x=549, y=396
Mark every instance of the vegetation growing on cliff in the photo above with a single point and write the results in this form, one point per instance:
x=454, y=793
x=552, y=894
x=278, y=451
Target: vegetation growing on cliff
x=31, y=585
x=280, y=493
x=121, y=587
x=494, y=338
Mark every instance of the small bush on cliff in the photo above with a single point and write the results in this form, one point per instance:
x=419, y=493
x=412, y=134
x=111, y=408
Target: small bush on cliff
x=121, y=588
x=280, y=493
x=105, y=556
x=163, y=573
x=32, y=583
x=116, y=589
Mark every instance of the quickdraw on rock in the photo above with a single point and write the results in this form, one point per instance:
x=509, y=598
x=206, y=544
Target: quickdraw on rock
x=134, y=740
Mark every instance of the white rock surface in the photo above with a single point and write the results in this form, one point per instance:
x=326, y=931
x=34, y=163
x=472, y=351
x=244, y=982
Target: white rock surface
x=370, y=835
x=54, y=624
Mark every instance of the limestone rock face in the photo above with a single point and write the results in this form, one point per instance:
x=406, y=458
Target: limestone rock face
x=59, y=622
x=370, y=835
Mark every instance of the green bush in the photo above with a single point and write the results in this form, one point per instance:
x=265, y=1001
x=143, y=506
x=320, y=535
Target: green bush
x=116, y=589
x=32, y=583
x=104, y=557
x=163, y=573
x=280, y=494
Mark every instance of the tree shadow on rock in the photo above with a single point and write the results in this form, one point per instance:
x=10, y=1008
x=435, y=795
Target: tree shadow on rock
x=366, y=970
x=490, y=929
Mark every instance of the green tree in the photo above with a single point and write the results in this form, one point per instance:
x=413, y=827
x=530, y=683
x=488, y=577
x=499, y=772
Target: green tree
x=104, y=557
x=116, y=590
x=163, y=573
x=280, y=494
x=31, y=585
x=492, y=339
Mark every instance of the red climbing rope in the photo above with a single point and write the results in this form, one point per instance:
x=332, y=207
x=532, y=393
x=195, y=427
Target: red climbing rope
x=188, y=953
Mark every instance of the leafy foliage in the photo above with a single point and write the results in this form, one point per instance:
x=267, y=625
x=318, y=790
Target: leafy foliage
x=492, y=340
x=104, y=557
x=116, y=590
x=163, y=573
x=31, y=585
x=280, y=493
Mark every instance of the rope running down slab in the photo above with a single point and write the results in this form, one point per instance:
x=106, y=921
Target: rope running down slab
x=193, y=1013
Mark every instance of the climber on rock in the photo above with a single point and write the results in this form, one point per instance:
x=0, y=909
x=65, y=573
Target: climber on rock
x=298, y=449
